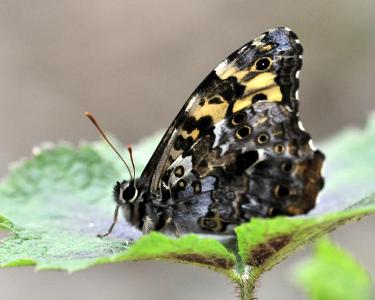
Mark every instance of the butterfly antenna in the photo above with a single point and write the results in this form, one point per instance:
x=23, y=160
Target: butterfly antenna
x=130, y=150
x=93, y=120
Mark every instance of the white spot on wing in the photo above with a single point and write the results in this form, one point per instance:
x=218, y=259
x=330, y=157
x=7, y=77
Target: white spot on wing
x=287, y=29
x=258, y=41
x=261, y=154
x=185, y=162
x=191, y=102
x=218, y=133
x=311, y=144
x=220, y=68
x=300, y=125
x=242, y=49
x=224, y=148
x=297, y=74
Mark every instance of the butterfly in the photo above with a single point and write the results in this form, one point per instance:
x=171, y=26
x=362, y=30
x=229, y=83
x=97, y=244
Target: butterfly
x=236, y=150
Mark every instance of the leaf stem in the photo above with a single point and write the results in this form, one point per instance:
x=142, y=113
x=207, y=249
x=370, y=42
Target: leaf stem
x=245, y=284
x=246, y=289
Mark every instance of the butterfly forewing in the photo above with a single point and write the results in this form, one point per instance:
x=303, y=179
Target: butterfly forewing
x=263, y=69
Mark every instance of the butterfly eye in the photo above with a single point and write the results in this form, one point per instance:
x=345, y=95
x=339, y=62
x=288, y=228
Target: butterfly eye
x=279, y=148
x=281, y=191
x=243, y=132
x=263, y=64
x=129, y=193
x=263, y=138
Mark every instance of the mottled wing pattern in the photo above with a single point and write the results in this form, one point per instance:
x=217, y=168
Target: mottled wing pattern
x=257, y=162
x=237, y=148
x=266, y=68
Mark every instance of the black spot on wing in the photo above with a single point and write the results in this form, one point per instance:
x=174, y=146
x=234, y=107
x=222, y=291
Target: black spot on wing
x=263, y=64
x=285, y=51
x=231, y=89
x=190, y=124
x=183, y=144
x=166, y=176
x=215, y=100
x=246, y=160
x=204, y=124
x=243, y=161
x=212, y=85
x=179, y=171
x=178, y=142
x=259, y=97
x=238, y=118
x=197, y=186
x=243, y=132
x=188, y=142
x=165, y=194
x=290, y=50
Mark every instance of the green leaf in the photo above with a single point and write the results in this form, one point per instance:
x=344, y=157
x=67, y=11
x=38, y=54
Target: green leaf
x=61, y=199
x=55, y=203
x=262, y=243
x=332, y=273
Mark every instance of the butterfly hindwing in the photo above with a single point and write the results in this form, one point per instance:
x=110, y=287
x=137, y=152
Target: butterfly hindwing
x=255, y=162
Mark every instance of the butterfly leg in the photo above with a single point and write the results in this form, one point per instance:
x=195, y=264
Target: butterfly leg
x=115, y=217
x=148, y=225
x=169, y=221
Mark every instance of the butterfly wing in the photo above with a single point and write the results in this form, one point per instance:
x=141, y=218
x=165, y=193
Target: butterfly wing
x=255, y=162
x=266, y=68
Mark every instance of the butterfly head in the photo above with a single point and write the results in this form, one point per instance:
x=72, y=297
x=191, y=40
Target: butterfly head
x=128, y=196
x=125, y=192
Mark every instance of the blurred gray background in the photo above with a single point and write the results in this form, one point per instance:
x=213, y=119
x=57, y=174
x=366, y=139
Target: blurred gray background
x=133, y=64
